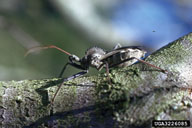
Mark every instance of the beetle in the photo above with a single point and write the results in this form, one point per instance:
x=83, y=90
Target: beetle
x=99, y=58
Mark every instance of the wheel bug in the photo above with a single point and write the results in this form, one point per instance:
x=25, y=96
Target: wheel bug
x=98, y=58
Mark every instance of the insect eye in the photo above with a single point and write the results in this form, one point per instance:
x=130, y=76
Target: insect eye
x=98, y=56
x=94, y=58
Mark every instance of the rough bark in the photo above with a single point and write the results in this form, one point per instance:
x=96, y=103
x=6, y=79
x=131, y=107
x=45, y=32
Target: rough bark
x=137, y=95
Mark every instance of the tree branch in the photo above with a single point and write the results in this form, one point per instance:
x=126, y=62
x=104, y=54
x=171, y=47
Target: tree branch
x=137, y=95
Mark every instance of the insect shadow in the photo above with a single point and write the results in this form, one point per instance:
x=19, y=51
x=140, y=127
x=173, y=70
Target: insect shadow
x=52, y=120
x=44, y=93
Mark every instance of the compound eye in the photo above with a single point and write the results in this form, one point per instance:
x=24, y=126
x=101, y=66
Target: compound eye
x=95, y=60
x=98, y=56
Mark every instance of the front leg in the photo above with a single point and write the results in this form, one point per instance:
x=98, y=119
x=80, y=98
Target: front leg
x=67, y=79
x=63, y=70
x=73, y=64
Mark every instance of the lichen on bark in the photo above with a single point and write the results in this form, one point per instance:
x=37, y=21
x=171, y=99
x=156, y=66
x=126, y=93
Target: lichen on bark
x=145, y=93
x=136, y=95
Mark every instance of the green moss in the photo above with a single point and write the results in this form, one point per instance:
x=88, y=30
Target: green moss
x=134, y=95
x=126, y=83
x=189, y=37
x=172, y=53
x=114, y=96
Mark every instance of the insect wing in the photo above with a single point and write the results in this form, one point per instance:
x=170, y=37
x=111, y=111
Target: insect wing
x=109, y=54
x=118, y=50
x=131, y=47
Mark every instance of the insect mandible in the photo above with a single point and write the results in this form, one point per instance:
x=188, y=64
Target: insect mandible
x=99, y=58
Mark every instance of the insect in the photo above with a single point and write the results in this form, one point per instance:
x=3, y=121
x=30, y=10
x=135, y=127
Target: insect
x=98, y=58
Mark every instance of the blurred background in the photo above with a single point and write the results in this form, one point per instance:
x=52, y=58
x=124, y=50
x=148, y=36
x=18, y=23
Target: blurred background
x=76, y=25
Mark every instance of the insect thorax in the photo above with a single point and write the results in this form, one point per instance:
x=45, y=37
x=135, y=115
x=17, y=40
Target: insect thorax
x=92, y=57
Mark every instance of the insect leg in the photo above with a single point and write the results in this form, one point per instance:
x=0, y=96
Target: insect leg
x=117, y=46
x=63, y=69
x=72, y=64
x=165, y=71
x=67, y=79
x=107, y=71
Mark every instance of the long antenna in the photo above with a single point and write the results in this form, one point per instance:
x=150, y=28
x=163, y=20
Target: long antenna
x=46, y=47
